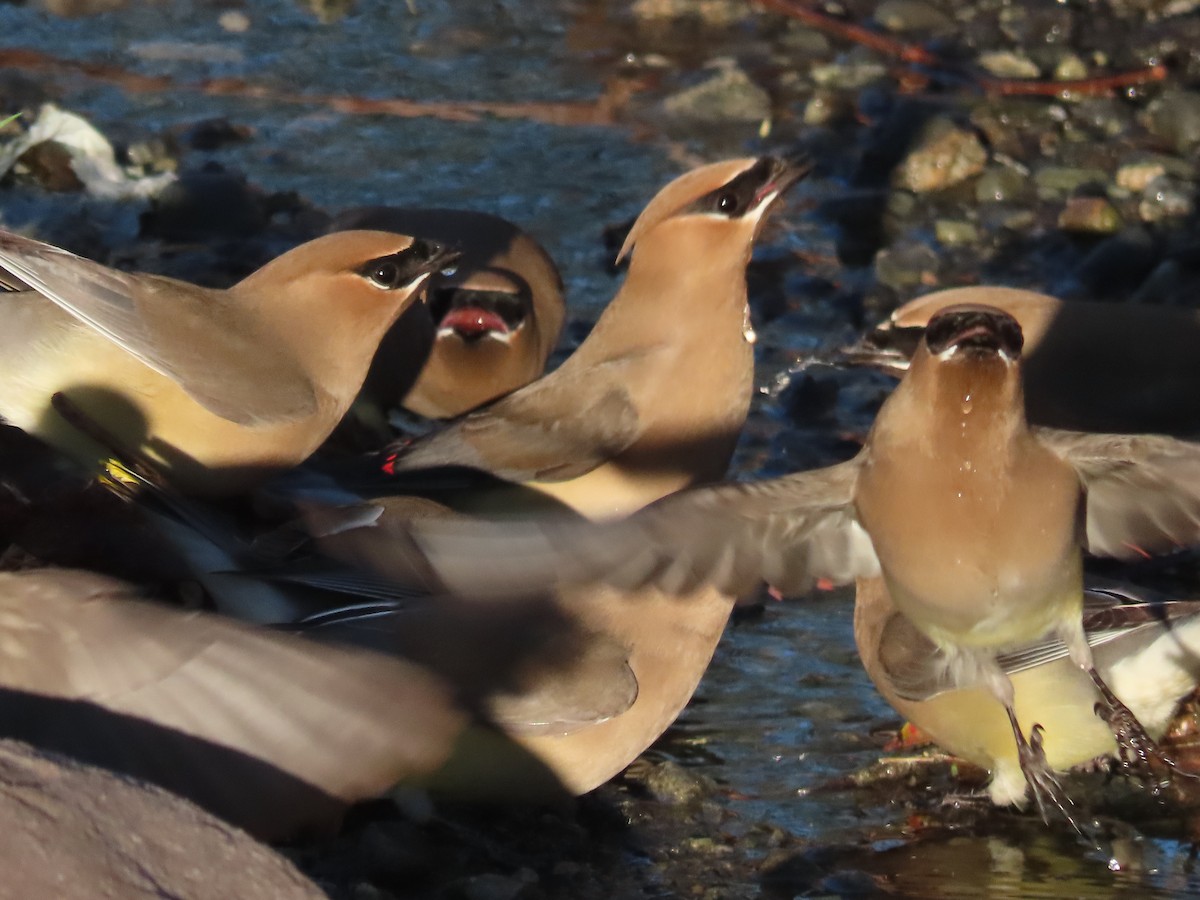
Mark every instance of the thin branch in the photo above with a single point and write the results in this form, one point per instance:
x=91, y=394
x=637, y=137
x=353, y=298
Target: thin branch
x=914, y=54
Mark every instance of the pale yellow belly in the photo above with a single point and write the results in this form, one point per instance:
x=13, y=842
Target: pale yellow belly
x=144, y=410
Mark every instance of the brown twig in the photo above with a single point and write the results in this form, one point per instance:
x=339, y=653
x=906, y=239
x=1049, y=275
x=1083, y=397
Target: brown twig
x=1090, y=87
x=601, y=111
x=914, y=54
x=902, y=50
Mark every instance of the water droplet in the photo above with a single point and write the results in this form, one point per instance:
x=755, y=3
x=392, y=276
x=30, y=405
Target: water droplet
x=967, y=403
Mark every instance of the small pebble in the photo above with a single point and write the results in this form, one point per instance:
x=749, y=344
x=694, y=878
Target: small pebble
x=1089, y=215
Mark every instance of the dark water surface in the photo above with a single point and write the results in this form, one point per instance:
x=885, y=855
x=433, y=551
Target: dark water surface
x=786, y=714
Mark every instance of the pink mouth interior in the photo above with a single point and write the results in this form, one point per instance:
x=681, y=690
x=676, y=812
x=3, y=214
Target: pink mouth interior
x=471, y=321
x=973, y=331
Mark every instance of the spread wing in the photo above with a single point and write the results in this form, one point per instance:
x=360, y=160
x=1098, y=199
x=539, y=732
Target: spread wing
x=296, y=705
x=195, y=337
x=557, y=428
x=787, y=532
x=1143, y=491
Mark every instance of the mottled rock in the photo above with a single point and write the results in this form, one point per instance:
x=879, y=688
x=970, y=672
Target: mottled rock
x=1003, y=184
x=72, y=831
x=955, y=232
x=1089, y=215
x=727, y=96
x=668, y=782
x=912, y=15
x=848, y=76
x=906, y=266
x=711, y=12
x=1174, y=118
x=1165, y=198
x=944, y=154
x=1135, y=177
x=826, y=106
x=1058, y=181
x=1007, y=64
x=1070, y=67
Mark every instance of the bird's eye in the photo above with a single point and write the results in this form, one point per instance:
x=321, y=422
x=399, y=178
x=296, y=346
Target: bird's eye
x=385, y=275
x=727, y=203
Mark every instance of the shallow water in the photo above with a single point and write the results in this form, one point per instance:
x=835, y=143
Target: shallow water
x=785, y=709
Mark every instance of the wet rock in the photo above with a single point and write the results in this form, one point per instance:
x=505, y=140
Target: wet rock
x=710, y=12
x=73, y=832
x=1103, y=116
x=824, y=107
x=906, y=266
x=1057, y=181
x=955, y=232
x=728, y=96
x=1164, y=198
x=944, y=154
x=1007, y=64
x=667, y=782
x=848, y=75
x=1070, y=67
x=1174, y=118
x=1003, y=184
x=1089, y=215
x=234, y=21
x=1010, y=126
x=1135, y=177
x=801, y=41
x=912, y=16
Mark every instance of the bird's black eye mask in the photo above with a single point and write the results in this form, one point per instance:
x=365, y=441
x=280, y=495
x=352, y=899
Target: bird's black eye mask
x=397, y=270
x=737, y=197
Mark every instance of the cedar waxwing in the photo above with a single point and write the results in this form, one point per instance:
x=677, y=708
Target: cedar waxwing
x=580, y=680
x=270, y=731
x=219, y=387
x=1114, y=367
x=495, y=320
x=976, y=522
x=74, y=832
x=581, y=644
x=1146, y=650
x=654, y=399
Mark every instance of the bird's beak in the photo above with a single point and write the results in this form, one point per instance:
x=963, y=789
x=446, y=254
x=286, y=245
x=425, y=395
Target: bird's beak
x=786, y=171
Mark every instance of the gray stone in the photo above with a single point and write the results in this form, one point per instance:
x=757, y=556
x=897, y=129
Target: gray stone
x=1175, y=118
x=73, y=832
x=1002, y=184
x=912, y=15
x=1089, y=215
x=727, y=96
x=1007, y=64
x=906, y=266
x=944, y=154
